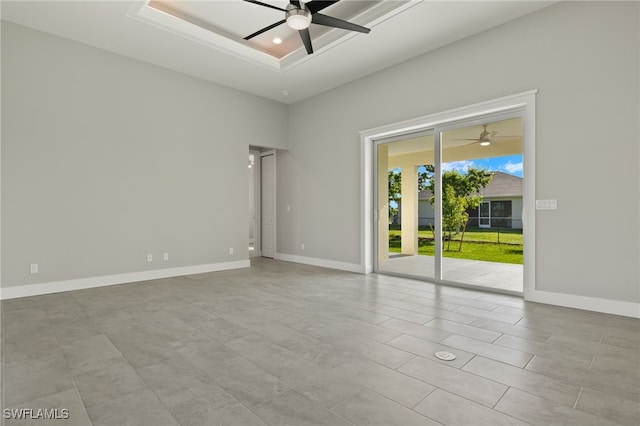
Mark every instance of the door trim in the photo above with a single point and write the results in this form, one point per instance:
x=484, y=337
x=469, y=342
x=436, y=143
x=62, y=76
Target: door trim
x=275, y=204
x=524, y=103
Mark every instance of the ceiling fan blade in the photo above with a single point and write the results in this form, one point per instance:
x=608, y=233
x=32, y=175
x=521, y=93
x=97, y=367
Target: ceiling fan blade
x=328, y=21
x=265, y=29
x=306, y=39
x=506, y=137
x=317, y=6
x=265, y=5
x=296, y=3
x=476, y=140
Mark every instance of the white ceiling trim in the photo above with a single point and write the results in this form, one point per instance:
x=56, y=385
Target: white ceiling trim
x=141, y=11
x=384, y=10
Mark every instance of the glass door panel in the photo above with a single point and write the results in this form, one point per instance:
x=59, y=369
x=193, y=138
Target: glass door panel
x=481, y=215
x=404, y=212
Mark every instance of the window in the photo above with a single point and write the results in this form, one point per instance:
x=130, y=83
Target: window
x=501, y=214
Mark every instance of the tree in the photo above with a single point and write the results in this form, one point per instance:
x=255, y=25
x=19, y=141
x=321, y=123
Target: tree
x=459, y=193
x=395, y=190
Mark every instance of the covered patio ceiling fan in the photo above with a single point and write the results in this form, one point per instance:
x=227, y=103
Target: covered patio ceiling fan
x=299, y=15
x=486, y=137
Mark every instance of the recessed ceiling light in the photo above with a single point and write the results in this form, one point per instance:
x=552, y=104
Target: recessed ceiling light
x=277, y=40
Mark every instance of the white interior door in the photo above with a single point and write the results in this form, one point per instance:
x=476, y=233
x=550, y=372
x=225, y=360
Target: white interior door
x=268, y=205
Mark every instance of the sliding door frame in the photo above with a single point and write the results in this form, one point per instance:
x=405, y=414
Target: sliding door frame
x=519, y=105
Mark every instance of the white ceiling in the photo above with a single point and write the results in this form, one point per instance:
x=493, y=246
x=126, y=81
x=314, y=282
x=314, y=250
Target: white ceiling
x=417, y=27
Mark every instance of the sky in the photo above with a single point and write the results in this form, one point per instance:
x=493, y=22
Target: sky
x=510, y=164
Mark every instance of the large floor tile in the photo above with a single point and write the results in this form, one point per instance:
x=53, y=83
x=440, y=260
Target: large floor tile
x=539, y=335
x=88, y=350
x=540, y=411
x=453, y=410
x=403, y=314
x=427, y=349
x=581, y=375
x=528, y=381
x=144, y=350
x=27, y=381
x=134, y=409
x=294, y=409
x=464, y=330
x=245, y=381
x=462, y=383
x=488, y=350
x=384, y=354
x=370, y=409
x=496, y=316
x=392, y=384
x=105, y=380
x=193, y=397
x=416, y=330
x=625, y=411
x=542, y=349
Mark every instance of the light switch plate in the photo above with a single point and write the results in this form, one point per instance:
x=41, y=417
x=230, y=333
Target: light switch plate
x=546, y=204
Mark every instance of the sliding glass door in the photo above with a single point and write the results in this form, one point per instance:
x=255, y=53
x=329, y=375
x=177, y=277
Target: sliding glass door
x=449, y=203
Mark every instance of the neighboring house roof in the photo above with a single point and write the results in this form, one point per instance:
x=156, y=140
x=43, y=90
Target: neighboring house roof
x=502, y=185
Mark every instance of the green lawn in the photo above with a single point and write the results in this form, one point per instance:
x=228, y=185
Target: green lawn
x=478, y=244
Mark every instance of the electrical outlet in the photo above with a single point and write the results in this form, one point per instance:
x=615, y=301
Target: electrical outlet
x=33, y=268
x=166, y=257
x=149, y=257
x=302, y=246
x=230, y=250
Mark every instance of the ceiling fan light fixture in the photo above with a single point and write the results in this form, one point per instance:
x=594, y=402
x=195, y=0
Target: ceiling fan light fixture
x=485, y=143
x=298, y=19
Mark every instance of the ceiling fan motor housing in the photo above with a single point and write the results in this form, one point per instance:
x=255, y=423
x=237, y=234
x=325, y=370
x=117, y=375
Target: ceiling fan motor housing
x=298, y=18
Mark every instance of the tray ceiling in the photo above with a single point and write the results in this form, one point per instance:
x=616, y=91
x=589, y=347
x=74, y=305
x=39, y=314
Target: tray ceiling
x=204, y=38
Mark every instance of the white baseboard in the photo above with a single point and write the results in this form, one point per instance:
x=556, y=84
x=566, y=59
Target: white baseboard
x=607, y=306
x=14, y=292
x=333, y=264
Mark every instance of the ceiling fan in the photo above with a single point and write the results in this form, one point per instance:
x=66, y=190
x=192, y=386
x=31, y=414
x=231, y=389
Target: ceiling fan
x=486, y=137
x=299, y=15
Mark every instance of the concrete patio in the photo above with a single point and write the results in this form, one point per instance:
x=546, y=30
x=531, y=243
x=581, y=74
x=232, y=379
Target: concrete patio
x=500, y=276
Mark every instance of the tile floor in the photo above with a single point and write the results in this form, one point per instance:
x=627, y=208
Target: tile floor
x=287, y=344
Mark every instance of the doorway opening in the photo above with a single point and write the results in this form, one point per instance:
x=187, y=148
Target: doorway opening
x=262, y=205
x=254, y=203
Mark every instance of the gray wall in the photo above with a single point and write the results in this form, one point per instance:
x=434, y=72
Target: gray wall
x=583, y=58
x=106, y=159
